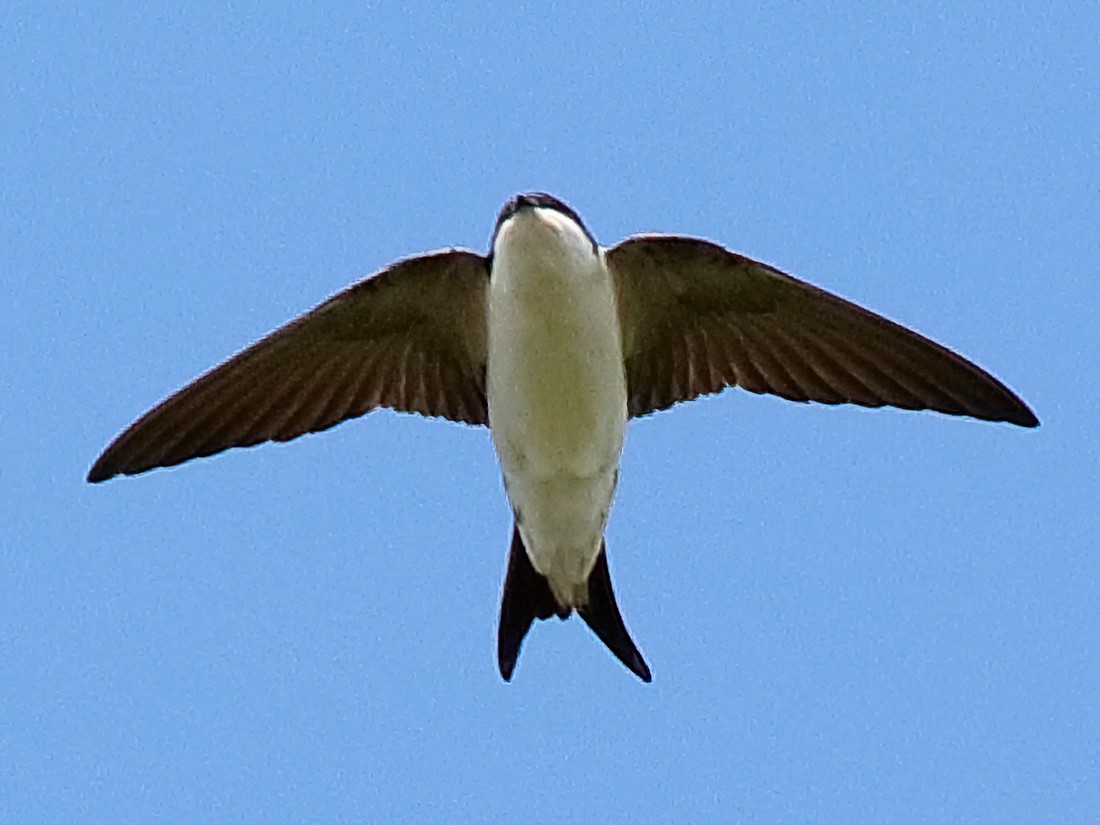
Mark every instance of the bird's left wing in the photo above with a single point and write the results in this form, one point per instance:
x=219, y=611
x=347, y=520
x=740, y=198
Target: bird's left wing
x=411, y=337
x=697, y=318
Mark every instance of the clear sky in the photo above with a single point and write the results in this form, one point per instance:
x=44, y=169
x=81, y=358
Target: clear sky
x=851, y=615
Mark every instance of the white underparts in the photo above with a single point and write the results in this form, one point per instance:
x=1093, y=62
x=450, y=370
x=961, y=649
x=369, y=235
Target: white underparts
x=556, y=392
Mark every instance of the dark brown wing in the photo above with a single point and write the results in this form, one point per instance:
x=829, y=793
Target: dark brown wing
x=697, y=318
x=411, y=337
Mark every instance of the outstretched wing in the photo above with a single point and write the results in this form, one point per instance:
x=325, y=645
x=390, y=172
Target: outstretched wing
x=411, y=337
x=697, y=318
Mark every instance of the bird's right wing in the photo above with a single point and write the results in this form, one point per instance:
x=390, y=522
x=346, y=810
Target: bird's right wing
x=411, y=337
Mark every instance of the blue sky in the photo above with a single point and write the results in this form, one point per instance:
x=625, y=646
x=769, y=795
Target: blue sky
x=851, y=615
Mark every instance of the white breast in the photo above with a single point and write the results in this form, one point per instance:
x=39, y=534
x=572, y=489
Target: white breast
x=556, y=391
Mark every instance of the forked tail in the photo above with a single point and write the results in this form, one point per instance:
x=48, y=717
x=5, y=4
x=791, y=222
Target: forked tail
x=527, y=597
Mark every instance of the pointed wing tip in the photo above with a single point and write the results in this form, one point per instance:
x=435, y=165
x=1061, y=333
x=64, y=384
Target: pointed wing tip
x=99, y=473
x=1019, y=414
x=109, y=465
x=506, y=669
x=1024, y=417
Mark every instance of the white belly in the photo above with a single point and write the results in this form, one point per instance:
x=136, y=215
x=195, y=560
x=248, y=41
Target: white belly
x=557, y=408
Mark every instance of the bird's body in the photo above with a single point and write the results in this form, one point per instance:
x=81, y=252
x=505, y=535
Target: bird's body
x=556, y=393
x=555, y=342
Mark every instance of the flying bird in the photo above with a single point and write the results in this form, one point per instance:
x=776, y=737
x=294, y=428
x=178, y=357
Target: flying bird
x=554, y=342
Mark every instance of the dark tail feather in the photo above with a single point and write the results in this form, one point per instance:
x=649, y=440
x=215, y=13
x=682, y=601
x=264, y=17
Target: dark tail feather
x=602, y=615
x=527, y=597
